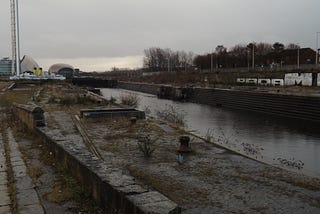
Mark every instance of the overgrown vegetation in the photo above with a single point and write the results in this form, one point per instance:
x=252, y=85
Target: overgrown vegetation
x=145, y=146
x=130, y=99
x=72, y=100
x=173, y=115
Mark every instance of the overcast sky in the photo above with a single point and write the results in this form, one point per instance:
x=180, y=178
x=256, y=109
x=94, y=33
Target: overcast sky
x=100, y=34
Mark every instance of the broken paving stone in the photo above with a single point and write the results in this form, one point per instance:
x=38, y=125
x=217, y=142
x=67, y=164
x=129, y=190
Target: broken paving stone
x=27, y=197
x=19, y=171
x=132, y=189
x=23, y=183
x=154, y=202
x=3, y=168
x=3, y=178
x=4, y=198
x=3, y=188
x=31, y=209
x=5, y=209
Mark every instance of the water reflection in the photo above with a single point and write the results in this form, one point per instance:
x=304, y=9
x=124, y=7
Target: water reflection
x=279, y=138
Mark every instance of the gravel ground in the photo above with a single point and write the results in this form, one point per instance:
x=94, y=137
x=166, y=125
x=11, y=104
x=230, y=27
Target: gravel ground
x=211, y=179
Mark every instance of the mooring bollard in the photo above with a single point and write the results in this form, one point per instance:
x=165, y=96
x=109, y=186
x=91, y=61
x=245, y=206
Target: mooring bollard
x=133, y=120
x=184, y=144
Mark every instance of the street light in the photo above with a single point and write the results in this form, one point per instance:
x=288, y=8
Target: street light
x=211, y=61
x=317, y=50
x=253, y=55
x=298, y=57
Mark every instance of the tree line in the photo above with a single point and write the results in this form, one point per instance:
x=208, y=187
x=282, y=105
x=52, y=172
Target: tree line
x=159, y=59
x=240, y=55
x=243, y=55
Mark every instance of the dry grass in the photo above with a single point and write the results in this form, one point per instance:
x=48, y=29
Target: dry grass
x=35, y=171
x=172, y=188
x=9, y=97
x=4, y=84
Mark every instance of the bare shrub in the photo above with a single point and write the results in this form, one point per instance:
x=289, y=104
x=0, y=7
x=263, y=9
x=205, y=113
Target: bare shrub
x=130, y=99
x=173, y=115
x=145, y=146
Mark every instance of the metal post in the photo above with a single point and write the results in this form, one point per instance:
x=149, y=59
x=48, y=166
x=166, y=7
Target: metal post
x=253, y=55
x=17, y=39
x=169, y=62
x=211, y=61
x=248, y=59
x=298, y=58
x=317, y=50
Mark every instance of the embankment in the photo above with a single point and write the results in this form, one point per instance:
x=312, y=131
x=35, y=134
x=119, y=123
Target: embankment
x=305, y=108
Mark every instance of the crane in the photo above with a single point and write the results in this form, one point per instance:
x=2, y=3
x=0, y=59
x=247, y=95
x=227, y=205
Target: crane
x=15, y=43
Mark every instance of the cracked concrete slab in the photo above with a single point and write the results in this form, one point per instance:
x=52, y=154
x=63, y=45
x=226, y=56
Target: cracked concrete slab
x=3, y=178
x=31, y=209
x=4, y=199
x=5, y=209
x=27, y=197
x=23, y=183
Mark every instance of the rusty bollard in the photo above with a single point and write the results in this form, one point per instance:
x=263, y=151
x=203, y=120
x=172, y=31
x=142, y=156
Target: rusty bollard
x=184, y=144
x=133, y=120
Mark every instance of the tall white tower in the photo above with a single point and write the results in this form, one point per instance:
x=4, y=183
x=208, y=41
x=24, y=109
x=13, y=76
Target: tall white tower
x=15, y=43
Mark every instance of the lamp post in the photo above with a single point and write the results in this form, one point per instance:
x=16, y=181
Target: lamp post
x=317, y=50
x=298, y=57
x=211, y=61
x=169, y=56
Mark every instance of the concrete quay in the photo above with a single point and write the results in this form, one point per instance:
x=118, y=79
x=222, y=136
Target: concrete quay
x=111, y=187
x=24, y=198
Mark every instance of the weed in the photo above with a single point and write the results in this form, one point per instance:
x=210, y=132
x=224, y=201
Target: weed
x=145, y=146
x=173, y=115
x=293, y=163
x=112, y=100
x=147, y=110
x=35, y=171
x=130, y=99
x=209, y=135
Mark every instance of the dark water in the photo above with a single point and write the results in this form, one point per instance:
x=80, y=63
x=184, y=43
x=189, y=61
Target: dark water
x=273, y=137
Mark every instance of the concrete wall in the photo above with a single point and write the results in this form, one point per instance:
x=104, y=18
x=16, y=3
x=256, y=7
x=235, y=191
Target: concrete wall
x=112, y=189
x=141, y=87
x=299, y=107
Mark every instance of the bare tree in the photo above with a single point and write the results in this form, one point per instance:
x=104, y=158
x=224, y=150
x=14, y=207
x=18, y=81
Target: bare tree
x=277, y=47
x=292, y=46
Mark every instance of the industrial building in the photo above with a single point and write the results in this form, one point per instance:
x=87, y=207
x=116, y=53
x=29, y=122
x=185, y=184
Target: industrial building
x=5, y=66
x=62, y=69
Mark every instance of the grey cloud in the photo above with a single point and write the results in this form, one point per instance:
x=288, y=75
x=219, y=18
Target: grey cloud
x=118, y=28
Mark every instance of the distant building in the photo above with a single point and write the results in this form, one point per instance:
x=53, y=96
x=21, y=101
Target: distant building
x=5, y=67
x=28, y=64
x=63, y=69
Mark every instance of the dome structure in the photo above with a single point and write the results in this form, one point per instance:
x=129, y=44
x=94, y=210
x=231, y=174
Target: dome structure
x=28, y=64
x=62, y=69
